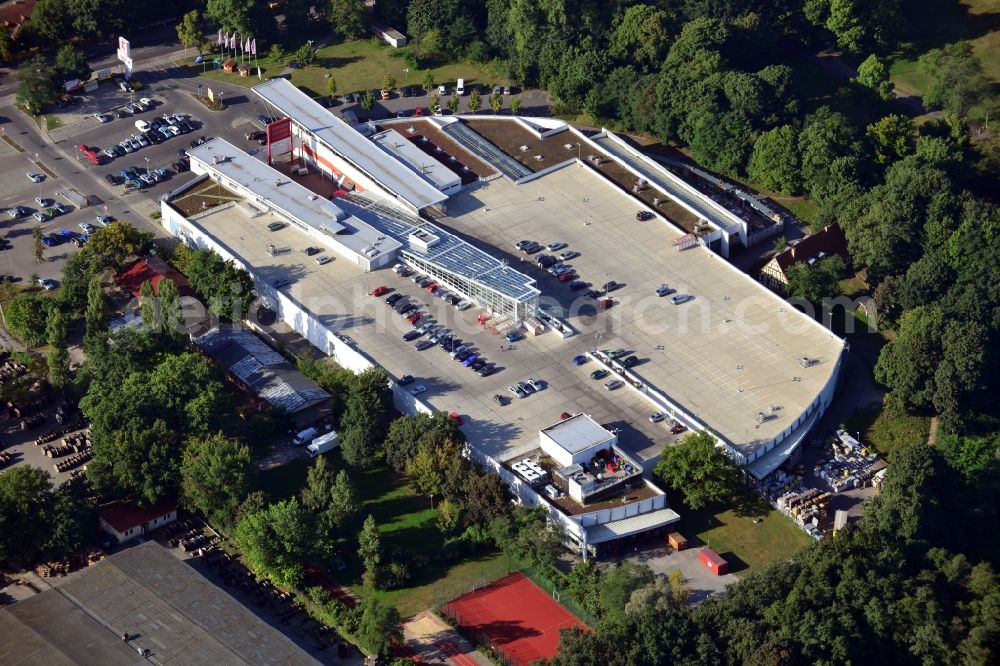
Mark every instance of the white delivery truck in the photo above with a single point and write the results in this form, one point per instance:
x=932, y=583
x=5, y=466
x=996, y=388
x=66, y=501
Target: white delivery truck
x=322, y=444
x=460, y=87
x=305, y=436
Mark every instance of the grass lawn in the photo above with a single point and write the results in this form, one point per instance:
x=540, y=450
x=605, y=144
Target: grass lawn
x=951, y=22
x=732, y=533
x=408, y=527
x=888, y=431
x=52, y=122
x=358, y=65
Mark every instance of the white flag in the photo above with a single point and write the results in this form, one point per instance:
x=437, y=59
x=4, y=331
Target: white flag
x=218, y=41
x=253, y=47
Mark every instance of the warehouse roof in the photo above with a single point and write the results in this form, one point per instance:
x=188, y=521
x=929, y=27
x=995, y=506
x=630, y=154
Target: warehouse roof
x=344, y=140
x=422, y=165
x=266, y=372
x=164, y=605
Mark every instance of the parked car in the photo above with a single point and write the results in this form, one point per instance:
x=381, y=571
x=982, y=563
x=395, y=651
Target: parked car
x=579, y=359
x=558, y=245
x=643, y=215
x=571, y=254
x=599, y=374
x=424, y=344
x=88, y=228
x=378, y=291
x=664, y=290
x=536, y=384
x=487, y=370
x=630, y=361
x=276, y=226
x=613, y=384
x=142, y=125
x=513, y=337
x=418, y=389
x=105, y=220
x=102, y=117
x=681, y=298
x=35, y=177
x=656, y=417
x=48, y=284
x=517, y=391
x=40, y=216
x=323, y=259
x=405, y=379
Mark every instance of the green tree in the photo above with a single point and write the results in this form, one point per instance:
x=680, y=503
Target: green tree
x=428, y=81
x=957, y=81
x=25, y=497
x=275, y=540
x=960, y=381
x=892, y=137
x=378, y=626
x=370, y=551
x=296, y=15
x=486, y=499
x=721, y=141
x=406, y=434
x=305, y=54
x=214, y=477
x=319, y=483
x=226, y=289
x=27, y=315
x=774, y=162
x=449, y=516
x=231, y=15
x=515, y=106
x=39, y=246
x=388, y=81
x=110, y=246
x=427, y=472
x=331, y=86
x=149, y=308
x=453, y=104
x=49, y=21
x=475, y=102
x=347, y=18
x=38, y=84
x=6, y=47
x=189, y=30
x=699, y=470
x=496, y=103
x=816, y=282
x=58, y=357
x=907, y=364
x=826, y=136
x=435, y=104
x=71, y=64
x=640, y=36
x=277, y=54
x=168, y=298
x=368, y=101
x=343, y=504
x=363, y=423
x=874, y=73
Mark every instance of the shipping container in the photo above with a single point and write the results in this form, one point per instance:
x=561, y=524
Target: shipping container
x=713, y=561
x=677, y=541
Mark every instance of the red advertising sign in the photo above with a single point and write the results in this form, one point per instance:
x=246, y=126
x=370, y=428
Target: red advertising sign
x=279, y=138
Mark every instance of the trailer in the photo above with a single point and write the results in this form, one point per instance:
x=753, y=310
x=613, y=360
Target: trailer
x=323, y=443
x=713, y=561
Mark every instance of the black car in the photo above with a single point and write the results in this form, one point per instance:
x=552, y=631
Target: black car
x=424, y=344
x=487, y=370
x=577, y=285
x=392, y=300
x=153, y=137
x=405, y=92
x=119, y=113
x=112, y=179
x=630, y=361
x=643, y=215
x=310, y=251
x=409, y=307
x=480, y=362
x=405, y=379
x=265, y=120
x=410, y=336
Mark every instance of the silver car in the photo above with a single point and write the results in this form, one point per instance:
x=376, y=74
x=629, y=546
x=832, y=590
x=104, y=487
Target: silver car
x=614, y=384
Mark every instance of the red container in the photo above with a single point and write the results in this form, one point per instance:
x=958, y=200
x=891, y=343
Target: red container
x=713, y=561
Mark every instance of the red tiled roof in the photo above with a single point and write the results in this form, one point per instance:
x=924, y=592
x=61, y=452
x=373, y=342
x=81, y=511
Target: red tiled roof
x=123, y=516
x=830, y=241
x=14, y=14
x=151, y=269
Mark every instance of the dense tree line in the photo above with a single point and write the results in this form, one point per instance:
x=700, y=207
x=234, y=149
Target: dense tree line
x=914, y=580
x=38, y=521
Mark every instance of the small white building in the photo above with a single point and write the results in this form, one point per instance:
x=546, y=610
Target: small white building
x=126, y=521
x=575, y=440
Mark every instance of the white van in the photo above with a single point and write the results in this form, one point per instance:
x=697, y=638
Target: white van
x=460, y=87
x=322, y=444
x=305, y=436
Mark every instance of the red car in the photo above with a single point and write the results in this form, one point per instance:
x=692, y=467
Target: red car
x=567, y=277
x=378, y=291
x=432, y=287
x=604, y=304
x=414, y=318
x=678, y=428
x=456, y=418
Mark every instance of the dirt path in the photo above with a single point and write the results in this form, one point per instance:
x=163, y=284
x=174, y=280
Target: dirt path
x=933, y=434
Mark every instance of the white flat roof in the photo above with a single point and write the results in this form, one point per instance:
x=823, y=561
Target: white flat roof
x=578, y=433
x=644, y=522
x=422, y=164
x=289, y=198
x=341, y=138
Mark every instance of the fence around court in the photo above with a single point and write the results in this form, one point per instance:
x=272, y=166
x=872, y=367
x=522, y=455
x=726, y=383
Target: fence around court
x=560, y=594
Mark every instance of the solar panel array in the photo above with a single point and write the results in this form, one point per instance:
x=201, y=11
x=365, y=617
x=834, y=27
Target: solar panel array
x=451, y=253
x=486, y=150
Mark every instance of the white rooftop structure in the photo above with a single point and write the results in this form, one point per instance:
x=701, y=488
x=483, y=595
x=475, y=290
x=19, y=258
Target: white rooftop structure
x=575, y=439
x=268, y=190
x=345, y=141
x=428, y=168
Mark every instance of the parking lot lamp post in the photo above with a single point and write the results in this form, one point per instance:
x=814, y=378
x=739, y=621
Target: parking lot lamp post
x=199, y=91
x=739, y=378
x=727, y=300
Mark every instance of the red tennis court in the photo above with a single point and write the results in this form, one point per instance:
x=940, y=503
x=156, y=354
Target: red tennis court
x=517, y=617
